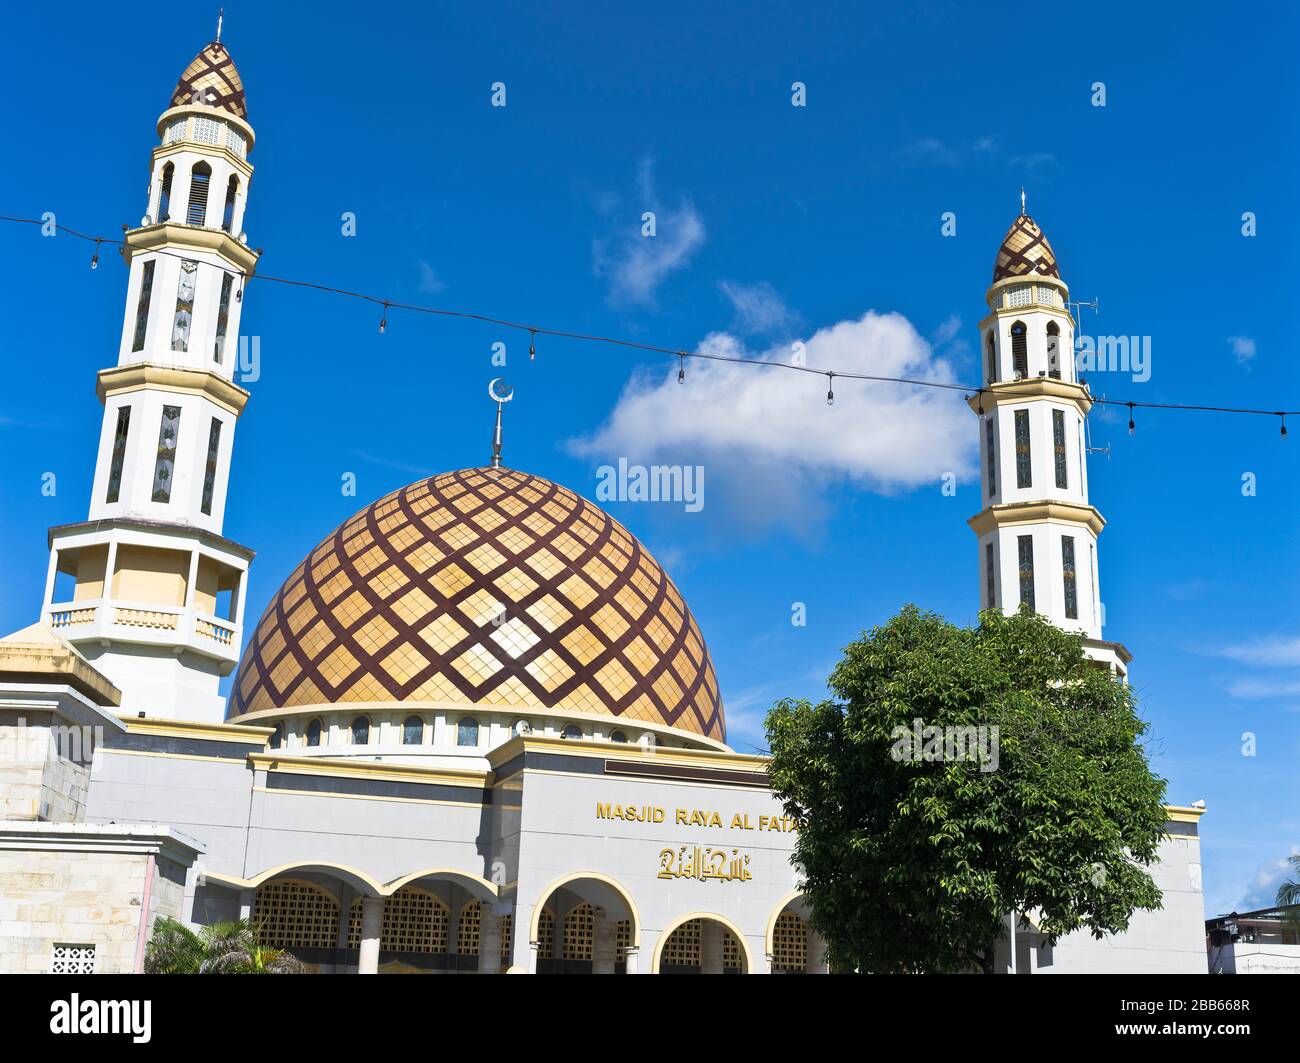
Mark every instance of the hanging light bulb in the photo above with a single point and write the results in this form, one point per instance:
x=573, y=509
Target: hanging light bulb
x=1132, y=428
x=1283, y=416
x=980, y=411
x=383, y=321
x=94, y=260
x=532, y=345
x=681, y=369
x=239, y=295
x=830, y=389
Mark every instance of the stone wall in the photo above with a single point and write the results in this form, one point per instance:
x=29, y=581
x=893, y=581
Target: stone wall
x=44, y=767
x=66, y=895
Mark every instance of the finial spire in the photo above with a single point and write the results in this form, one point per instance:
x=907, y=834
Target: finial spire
x=221, y=14
x=500, y=400
x=1022, y=201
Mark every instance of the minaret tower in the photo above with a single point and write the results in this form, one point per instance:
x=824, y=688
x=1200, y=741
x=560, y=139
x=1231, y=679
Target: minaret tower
x=148, y=588
x=1037, y=531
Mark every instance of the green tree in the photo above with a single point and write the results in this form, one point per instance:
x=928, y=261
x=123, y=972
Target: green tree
x=912, y=861
x=223, y=948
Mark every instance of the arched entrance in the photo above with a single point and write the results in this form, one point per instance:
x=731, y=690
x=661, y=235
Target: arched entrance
x=792, y=946
x=338, y=921
x=702, y=943
x=585, y=924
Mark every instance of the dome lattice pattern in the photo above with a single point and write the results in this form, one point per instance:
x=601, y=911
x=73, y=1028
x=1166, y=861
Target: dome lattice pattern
x=1025, y=251
x=483, y=587
x=212, y=75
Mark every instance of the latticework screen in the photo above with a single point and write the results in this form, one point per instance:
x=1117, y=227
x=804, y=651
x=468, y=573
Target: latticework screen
x=789, y=943
x=415, y=920
x=469, y=928
x=546, y=935
x=289, y=913
x=579, y=932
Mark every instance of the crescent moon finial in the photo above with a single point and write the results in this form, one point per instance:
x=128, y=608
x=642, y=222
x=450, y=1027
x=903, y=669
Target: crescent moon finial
x=500, y=400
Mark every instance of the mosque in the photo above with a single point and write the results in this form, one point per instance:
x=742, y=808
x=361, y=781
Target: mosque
x=477, y=729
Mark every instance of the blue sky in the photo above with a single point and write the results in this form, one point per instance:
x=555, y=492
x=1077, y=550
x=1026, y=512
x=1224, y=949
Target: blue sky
x=774, y=222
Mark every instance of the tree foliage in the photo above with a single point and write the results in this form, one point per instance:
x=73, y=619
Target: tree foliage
x=222, y=948
x=913, y=864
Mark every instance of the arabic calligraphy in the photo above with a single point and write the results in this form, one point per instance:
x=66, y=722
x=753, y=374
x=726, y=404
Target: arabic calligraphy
x=704, y=864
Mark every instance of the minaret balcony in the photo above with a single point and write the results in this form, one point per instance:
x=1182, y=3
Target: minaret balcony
x=146, y=623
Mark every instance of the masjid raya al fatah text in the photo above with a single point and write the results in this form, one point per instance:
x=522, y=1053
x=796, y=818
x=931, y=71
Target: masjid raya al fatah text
x=477, y=729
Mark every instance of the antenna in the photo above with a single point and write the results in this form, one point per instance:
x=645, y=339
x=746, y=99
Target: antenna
x=221, y=14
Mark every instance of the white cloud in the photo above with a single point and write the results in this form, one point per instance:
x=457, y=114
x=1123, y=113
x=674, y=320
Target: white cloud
x=429, y=280
x=1276, y=650
x=1263, y=890
x=769, y=442
x=759, y=309
x=1263, y=688
x=1243, y=349
x=636, y=265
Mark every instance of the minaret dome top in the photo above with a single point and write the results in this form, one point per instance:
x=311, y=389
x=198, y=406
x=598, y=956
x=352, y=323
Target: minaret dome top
x=211, y=80
x=1025, y=252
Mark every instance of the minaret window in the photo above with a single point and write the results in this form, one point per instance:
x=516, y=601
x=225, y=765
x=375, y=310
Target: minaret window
x=467, y=732
x=228, y=215
x=990, y=579
x=210, y=469
x=165, y=464
x=313, y=733
x=1024, y=471
x=1058, y=448
x=207, y=131
x=1053, y=350
x=1068, y=573
x=184, y=305
x=223, y=318
x=1019, y=351
x=196, y=212
x=277, y=737
x=1025, y=549
x=142, y=306
x=165, y=194
x=361, y=731
x=991, y=447
x=119, y=452
x=413, y=731
x=992, y=358
x=1020, y=295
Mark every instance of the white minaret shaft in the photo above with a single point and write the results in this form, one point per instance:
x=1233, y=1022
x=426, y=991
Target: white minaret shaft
x=151, y=591
x=1037, y=532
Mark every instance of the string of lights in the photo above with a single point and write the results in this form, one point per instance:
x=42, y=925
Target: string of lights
x=539, y=330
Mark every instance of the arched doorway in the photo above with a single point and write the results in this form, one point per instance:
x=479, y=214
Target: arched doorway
x=792, y=945
x=702, y=944
x=585, y=924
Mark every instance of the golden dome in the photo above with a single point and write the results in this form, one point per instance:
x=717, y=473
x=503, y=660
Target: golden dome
x=484, y=587
x=212, y=75
x=1025, y=251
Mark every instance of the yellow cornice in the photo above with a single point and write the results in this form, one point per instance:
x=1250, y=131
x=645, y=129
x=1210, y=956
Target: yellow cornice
x=162, y=236
x=1009, y=391
x=226, y=394
x=1183, y=813
x=1015, y=513
x=220, y=732
x=333, y=766
x=577, y=747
